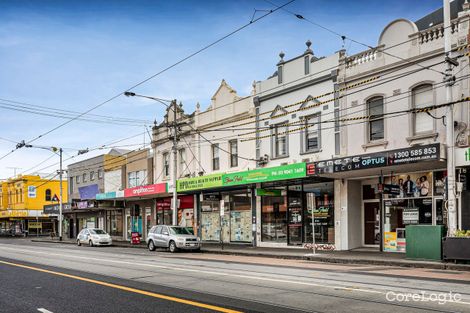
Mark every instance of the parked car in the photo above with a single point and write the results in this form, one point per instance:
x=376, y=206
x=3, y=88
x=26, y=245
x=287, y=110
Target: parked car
x=173, y=238
x=94, y=237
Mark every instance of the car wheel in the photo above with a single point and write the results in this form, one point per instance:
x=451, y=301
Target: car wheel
x=151, y=246
x=173, y=247
x=90, y=243
x=79, y=243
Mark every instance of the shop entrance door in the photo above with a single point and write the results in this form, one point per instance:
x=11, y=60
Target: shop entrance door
x=294, y=217
x=372, y=223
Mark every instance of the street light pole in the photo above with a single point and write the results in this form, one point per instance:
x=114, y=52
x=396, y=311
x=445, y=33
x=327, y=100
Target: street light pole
x=60, y=195
x=449, y=81
x=173, y=106
x=175, y=164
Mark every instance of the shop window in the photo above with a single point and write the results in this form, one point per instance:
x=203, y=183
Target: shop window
x=312, y=134
x=233, y=153
x=422, y=97
x=48, y=194
x=375, y=124
x=166, y=164
x=320, y=198
x=279, y=140
x=182, y=158
x=337, y=133
x=215, y=157
x=274, y=219
x=114, y=223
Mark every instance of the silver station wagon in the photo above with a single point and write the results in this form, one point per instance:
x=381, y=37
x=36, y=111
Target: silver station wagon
x=173, y=238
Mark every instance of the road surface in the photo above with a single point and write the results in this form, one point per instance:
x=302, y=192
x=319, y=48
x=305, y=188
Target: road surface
x=45, y=277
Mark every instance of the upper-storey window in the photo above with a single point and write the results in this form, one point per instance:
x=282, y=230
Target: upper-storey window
x=375, y=124
x=215, y=157
x=312, y=133
x=279, y=74
x=307, y=65
x=422, y=97
x=279, y=140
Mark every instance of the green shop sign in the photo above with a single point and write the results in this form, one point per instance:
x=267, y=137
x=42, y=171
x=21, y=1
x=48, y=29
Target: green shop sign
x=261, y=175
x=201, y=182
x=268, y=192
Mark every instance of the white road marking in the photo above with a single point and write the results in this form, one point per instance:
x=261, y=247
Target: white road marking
x=252, y=277
x=43, y=310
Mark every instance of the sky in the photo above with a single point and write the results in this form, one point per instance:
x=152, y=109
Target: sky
x=73, y=55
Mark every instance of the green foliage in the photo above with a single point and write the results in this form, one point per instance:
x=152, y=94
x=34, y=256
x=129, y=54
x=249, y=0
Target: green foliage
x=462, y=233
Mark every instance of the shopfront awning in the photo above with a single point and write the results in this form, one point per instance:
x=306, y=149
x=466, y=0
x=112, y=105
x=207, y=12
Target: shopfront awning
x=412, y=159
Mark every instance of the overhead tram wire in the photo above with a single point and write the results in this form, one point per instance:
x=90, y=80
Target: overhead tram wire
x=235, y=136
x=376, y=116
x=156, y=74
x=53, y=110
x=322, y=102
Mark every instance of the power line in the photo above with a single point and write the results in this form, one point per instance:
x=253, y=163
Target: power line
x=156, y=74
x=343, y=37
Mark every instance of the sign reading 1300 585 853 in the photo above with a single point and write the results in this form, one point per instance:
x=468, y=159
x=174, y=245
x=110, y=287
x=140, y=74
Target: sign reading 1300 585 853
x=414, y=154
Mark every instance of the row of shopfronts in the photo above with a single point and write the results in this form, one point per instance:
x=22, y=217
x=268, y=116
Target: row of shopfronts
x=365, y=200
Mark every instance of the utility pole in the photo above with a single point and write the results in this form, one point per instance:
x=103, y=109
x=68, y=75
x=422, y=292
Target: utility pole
x=175, y=163
x=60, y=195
x=449, y=79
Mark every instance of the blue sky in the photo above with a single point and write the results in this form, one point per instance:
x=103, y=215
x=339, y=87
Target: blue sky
x=75, y=54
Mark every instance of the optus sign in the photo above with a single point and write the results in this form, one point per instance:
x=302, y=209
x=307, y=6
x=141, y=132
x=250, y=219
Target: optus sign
x=145, y=190
x=296, y=170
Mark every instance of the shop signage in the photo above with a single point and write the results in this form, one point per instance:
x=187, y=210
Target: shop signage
x=31, y=191
x=379, y=159
x=85, y=204
x=88, y=192
x=268, y=192
x=145, y=190
x=296, y=170
x=135, y=238
x=55, y=208
x=106, y=195
x=14, y=213
x=211, y=197
x=462, y=157
x=35, y=225
x=410, y=216
x=390, y=241
x=201, y=182
x=389, y=189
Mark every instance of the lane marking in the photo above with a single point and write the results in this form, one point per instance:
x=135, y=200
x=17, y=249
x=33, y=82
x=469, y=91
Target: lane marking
x=252, y=277
x=172, y=268
x=120, y=287
x=43, y=310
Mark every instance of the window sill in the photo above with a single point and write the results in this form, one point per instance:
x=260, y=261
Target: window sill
x=280, y=157
x=432, y=135
x=311, y=151
x=375, y=143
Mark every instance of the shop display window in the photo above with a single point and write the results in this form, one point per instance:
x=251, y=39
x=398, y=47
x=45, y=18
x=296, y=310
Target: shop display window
x=320, y=197
x=114, y=222
x=274, y=219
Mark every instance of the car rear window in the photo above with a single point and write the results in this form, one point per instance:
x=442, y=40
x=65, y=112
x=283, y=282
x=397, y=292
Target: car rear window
x=180, y=231
x=97, y=232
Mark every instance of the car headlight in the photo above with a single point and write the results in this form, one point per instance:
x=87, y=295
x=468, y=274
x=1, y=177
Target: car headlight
x=180, y=239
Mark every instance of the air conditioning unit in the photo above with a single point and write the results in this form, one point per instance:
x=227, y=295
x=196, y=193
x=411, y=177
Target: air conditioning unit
x=263, y=160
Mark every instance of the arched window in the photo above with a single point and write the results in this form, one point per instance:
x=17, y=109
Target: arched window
x=375, y=109
x=422, y=97
x=48, y=195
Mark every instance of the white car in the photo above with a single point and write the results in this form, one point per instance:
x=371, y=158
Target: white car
x=94, y=237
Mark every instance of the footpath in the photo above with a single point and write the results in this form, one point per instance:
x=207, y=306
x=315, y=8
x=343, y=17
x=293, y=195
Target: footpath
x=360, y=256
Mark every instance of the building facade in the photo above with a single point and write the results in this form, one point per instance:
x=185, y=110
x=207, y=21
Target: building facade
x=22, y=202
